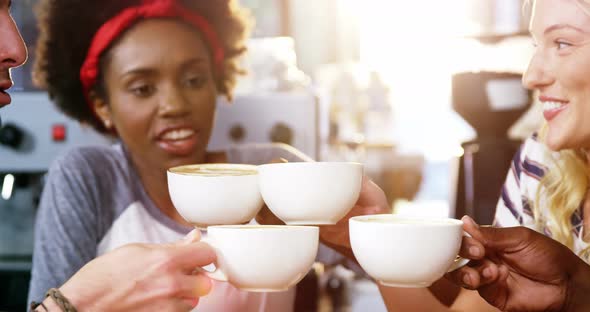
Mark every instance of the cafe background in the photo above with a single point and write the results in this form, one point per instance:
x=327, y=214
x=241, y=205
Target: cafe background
x=426, y=94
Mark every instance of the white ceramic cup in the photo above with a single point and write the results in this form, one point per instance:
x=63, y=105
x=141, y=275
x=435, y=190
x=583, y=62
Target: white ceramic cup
x=310, y=192
x=213, y=194
x=401, y=251
x=262, y=258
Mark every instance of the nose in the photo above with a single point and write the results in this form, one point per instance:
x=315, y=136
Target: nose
x=173, y=103
x=13, y=51
x=538, y=73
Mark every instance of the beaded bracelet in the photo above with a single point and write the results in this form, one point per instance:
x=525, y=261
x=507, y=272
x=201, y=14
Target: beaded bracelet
x=54, y=293
x=60, y=300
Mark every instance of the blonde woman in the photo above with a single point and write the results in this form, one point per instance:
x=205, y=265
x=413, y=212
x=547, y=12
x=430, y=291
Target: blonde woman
x=547, y=187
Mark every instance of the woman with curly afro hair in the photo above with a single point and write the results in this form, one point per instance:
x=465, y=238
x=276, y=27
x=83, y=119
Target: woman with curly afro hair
x=147, y=73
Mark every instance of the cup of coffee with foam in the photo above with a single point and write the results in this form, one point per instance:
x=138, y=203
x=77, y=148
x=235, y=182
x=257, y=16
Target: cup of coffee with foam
x=404, y=251
x=311, y=193
x=215, y=194
x=262, y=258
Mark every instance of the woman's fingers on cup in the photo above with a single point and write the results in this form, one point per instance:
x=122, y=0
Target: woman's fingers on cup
x=190, y=256
x=203, y=284
x=189, y=304
x=195, y=286
x=490, y=272
x=192, y=287
x=471, y=248
x=466, y=276
x=491, y=290
x=193, y=236
x=475, y=230
x=476, y=275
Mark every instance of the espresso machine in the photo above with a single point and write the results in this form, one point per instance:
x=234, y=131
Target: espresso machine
x=33, y=134
x=491, y=102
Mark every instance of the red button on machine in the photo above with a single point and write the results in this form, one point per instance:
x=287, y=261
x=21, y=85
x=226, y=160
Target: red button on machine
x=58, y=132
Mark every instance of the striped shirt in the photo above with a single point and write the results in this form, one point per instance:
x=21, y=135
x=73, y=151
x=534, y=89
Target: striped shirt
x=516, y=203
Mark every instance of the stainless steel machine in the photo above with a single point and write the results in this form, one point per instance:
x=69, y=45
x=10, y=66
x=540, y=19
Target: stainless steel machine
x=32, y=135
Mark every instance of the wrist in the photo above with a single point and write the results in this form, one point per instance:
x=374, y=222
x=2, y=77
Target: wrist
x=50, y=305
x=74, y=297
x=577, y=298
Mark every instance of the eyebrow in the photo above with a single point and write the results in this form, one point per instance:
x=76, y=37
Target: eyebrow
x=149, y=71
x=139, y=71
x=194, y=61
x=563, y=26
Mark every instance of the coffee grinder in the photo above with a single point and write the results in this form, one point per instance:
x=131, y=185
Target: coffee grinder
x=491, y=102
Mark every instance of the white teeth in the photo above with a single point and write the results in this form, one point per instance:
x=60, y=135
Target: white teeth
x=552, y=105
x=178, y=134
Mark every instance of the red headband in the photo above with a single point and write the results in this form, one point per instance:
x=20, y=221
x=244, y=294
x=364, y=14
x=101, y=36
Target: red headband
x=114, y=27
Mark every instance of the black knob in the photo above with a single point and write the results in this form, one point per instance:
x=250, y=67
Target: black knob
x=11, y=135
x=281, y=133
x=237, y=133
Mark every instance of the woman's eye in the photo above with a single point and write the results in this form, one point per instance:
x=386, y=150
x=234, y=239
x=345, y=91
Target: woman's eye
x=143, y=90
x=562, y=45
x=196, y=81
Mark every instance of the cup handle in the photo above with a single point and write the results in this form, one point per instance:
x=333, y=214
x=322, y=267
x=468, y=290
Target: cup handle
x=216, y=274
x=459, y=261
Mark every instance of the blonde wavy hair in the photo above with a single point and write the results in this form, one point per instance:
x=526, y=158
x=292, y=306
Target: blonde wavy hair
x=561, y=193
x=563, y=189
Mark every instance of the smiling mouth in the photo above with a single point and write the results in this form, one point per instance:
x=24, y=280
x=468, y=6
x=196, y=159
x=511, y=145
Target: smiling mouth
x=180, y=142
x=177, y=135
x=552, y=105
x=552, y=109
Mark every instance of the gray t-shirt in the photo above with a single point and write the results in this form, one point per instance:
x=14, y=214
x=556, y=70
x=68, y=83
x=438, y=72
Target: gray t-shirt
x=94, y=202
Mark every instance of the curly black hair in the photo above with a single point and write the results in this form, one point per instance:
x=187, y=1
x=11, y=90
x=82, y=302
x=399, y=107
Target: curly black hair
x=66, y=28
